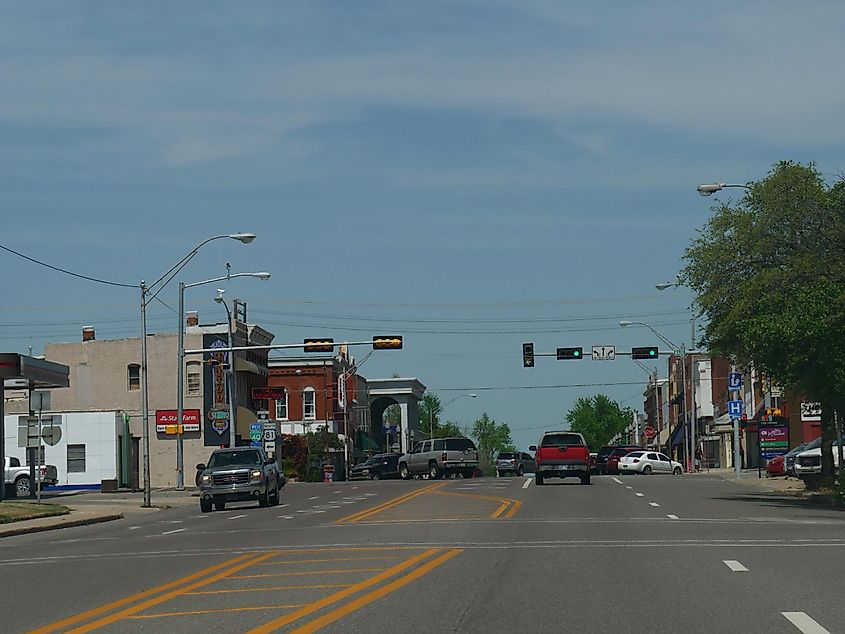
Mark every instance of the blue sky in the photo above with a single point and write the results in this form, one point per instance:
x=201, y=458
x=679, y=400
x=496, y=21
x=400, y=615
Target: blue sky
x=472, y=175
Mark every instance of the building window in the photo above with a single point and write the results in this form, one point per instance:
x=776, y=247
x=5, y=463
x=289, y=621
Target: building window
x=41, y=458
x=309, y=409
x=133, y=377
x=282, y=407
x=76, y=458
x=193, y=375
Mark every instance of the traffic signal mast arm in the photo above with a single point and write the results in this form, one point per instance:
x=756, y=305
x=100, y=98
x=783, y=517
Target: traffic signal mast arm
x=292, y=346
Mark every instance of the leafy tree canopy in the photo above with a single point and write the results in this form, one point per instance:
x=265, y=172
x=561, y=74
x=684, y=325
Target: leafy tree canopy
x=492, y=438
x=768, y=273
x=599, y=419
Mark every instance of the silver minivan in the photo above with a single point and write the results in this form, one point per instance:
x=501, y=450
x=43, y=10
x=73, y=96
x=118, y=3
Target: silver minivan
x=438, y=457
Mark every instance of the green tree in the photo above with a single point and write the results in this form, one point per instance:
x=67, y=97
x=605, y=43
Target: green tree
x=492, y=437
x=599, y=419
x=429, y=411
x=768, y=273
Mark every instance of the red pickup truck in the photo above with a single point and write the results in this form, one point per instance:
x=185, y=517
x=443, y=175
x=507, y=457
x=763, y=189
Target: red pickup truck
x=562, y=454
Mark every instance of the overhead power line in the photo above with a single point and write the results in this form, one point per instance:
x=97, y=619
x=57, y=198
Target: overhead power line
x=65, y=271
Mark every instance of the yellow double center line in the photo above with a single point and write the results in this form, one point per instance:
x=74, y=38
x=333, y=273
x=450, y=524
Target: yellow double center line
x=361, y=601
x=357, y=517
x=171, y=589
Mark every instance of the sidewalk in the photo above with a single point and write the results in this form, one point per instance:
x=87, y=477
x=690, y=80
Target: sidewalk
x=87, y=507
x=749, y=477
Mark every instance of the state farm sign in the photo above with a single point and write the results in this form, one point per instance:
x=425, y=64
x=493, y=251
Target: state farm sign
x=166, y=420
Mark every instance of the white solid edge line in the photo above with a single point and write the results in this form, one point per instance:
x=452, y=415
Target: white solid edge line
x=527, y=483
x=734, y=565
x=803, y=622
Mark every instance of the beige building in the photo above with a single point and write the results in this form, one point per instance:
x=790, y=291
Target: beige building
x=105, y=376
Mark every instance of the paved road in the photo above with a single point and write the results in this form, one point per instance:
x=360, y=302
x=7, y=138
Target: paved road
x=629, y=554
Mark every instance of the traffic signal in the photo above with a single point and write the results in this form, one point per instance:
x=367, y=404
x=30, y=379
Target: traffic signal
x=388, y=342
x=644, y=352
x=528, y=355
x=318, y=345
x=570, y=353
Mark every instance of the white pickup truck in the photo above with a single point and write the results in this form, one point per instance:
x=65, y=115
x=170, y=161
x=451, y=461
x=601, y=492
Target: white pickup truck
x=17, y=476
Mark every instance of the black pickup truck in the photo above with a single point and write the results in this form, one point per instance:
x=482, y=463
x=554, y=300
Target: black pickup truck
x=238, y=474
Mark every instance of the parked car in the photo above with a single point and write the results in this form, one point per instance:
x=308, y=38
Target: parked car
x=236, y=474
x=378, y=467
x=648, y=462
x=611, y=465
x=604, y=453
x=517, y=462
x=792, y=454
x=438, y=457
x=808, y=463
x=562, y=454
x=775, y=467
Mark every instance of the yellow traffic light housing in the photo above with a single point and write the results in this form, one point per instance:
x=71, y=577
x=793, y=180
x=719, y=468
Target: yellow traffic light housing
x=387, y=342
x=318, y=345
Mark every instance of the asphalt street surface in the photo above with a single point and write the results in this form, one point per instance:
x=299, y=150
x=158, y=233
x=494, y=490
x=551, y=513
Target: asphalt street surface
x=625, y=554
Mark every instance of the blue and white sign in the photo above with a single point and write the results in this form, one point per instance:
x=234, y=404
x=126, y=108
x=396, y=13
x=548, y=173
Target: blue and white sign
x=735, y=409
x=255, y=426
x=734, y=381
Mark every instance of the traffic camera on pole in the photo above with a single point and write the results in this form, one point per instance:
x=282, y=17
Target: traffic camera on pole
x=570, y=353
x=644, y=352
x=528, y=355
x=391, y=342
x=318, y=345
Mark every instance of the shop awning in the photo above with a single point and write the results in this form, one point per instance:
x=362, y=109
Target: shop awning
x=678, y=435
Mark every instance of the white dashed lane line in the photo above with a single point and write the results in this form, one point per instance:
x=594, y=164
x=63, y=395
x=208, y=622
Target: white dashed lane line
x=804, y=623
x=734, y=565
x=672, y=517
x=617, y=480
x=639, y=495
x=177, y=530
x=629, y=488
x=237, y=517
x=316, y=497
x=527, y=483
x=653, y=504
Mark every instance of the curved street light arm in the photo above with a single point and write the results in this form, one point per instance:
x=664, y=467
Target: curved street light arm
x=161, y=282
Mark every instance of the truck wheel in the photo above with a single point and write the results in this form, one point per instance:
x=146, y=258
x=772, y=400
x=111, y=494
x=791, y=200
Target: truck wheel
x=468, y=474
x=219, y=504
x=585, y=479
x=205, y=505
x=403, y=471
x=433, y=471
x=264, y=499
x=538, y=479
x=22, y=486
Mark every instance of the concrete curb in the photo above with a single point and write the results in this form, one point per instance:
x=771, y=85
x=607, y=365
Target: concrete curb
x=11, y=531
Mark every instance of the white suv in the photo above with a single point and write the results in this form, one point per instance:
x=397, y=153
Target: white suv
x=808, y=463
x=438, y=457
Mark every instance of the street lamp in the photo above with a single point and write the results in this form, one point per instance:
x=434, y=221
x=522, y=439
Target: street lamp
x=180, y=373
x=675, y=348
x=232, y=388
x=442, y=408
x=148, y=293
x=708, y=189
